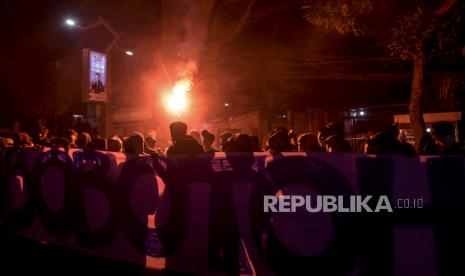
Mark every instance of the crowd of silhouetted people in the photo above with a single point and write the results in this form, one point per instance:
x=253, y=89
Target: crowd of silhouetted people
x=441, y=140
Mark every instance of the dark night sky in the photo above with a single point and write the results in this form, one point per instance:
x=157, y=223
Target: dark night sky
x=37, y=49
x=40, y=57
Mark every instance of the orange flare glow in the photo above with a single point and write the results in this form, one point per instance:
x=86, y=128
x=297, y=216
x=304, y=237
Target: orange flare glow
x=177, y=102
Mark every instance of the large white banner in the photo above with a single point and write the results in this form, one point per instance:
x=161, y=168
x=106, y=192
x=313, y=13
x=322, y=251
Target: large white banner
x=206, y=214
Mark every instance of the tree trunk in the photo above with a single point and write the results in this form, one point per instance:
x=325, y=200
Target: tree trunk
x=416, y=98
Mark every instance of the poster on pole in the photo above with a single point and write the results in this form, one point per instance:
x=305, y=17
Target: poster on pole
x=94, y=76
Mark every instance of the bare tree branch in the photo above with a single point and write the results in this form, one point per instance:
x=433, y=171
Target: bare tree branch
x=243, y=20
x=445, y=7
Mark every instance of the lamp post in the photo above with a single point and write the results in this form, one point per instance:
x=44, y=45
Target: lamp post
x=101, y=22
x=113, y=44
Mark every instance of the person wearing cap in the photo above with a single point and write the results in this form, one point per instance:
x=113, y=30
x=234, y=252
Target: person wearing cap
x=336, y=144
x=332, y=138
x=280, y=141
x=308, y=142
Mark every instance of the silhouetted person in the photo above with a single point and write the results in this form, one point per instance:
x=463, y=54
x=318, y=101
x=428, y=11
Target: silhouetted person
x=308, y=142
x=255, y=143
x=293, y=139
x=336, y=144
x=323, y=133
x=151, y=139
x=224, y=247
x=239, y=143
x=427, y=145
x=393, y=131
x=72, y=137
x=332, y=136
x=386, y=143
x=224, y=138
x=183, y=144
x=207, y=140
x=151, y=144
x=279, y=141
x=337, y=128
x=115, y=144
x=25, y=140
x=41, y=133
x=98, y=144
x=134, y=145
x=443, y=134
x=402, y=146
x=60, y=142
x=196, y=135
x=83, y=140
x=6, y=142
x=381, y=143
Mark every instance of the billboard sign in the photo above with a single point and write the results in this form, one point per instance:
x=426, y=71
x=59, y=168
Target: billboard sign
x=94, y=76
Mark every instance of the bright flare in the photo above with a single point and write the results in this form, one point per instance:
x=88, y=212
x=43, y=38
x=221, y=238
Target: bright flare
x=177, y=102
x=70, y=22
x=129, y=53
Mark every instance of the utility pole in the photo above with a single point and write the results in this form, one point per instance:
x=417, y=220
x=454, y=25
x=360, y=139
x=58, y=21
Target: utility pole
x=107, y=106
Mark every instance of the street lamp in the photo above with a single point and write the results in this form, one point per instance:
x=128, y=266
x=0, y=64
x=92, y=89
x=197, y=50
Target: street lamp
x=70, y=22
x=113, y=44
x=101, y=22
